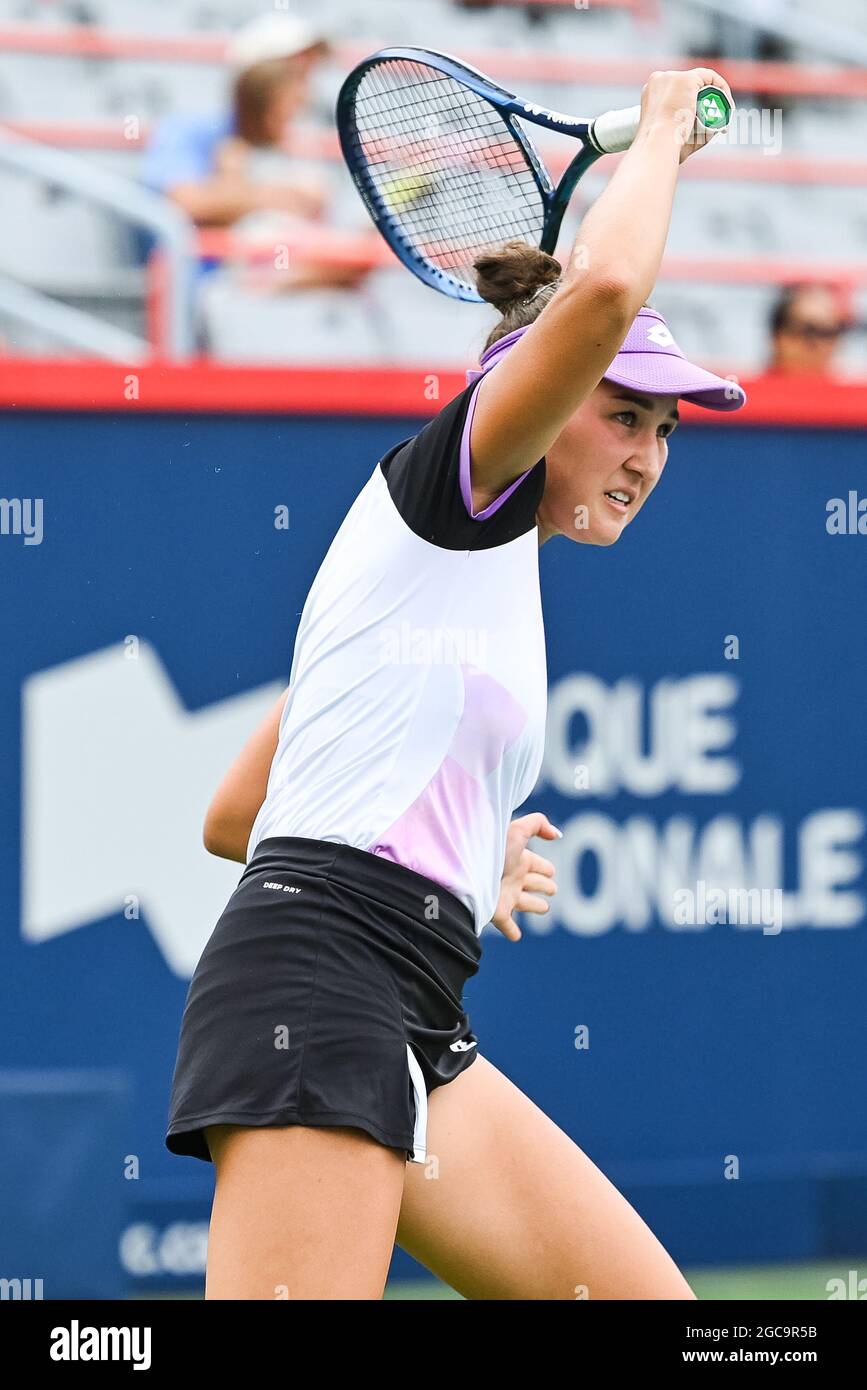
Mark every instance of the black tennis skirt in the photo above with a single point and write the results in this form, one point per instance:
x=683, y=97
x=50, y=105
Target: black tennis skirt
x=329, y=993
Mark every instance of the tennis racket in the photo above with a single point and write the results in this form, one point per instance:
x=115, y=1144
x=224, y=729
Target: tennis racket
x=446, y=171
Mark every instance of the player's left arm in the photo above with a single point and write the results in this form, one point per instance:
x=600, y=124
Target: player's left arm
x=238, y=798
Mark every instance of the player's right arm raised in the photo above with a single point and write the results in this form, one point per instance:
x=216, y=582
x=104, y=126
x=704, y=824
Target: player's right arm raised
x=523, y=405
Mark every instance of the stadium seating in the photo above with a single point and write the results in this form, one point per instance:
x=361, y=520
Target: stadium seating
x=85, y=256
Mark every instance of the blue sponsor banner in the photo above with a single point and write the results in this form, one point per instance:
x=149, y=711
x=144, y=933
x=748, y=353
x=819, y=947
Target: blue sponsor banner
x=691, y=1009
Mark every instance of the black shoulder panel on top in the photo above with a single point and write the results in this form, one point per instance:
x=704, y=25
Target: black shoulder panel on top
x=423, y=478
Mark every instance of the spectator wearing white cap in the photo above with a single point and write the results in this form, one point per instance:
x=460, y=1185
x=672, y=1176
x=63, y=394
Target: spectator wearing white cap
x=199, y=160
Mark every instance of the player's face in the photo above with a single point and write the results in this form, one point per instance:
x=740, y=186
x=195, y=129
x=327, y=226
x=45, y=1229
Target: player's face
x=615, y=443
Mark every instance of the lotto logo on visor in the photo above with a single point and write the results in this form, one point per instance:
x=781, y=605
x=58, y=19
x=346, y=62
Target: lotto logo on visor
x=650, y=333
x=660, y=335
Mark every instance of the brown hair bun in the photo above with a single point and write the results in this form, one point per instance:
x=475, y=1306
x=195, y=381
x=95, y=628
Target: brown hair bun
x=513, y=273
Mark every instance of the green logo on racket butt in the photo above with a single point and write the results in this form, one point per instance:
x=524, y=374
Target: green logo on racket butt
x=713, y=110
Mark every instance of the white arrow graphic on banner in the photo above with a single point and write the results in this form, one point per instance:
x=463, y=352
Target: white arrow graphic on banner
x=116, y=779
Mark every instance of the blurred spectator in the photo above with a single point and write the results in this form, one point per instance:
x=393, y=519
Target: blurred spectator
x=272, y=59
x=231, y=168
x=806, y=326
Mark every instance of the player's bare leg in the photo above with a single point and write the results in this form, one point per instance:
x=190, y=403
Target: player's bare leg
x=301, y=1213
x=509, y=1207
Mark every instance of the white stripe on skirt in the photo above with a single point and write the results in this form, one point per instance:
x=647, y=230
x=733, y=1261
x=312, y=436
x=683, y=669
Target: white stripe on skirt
x=419, y=1137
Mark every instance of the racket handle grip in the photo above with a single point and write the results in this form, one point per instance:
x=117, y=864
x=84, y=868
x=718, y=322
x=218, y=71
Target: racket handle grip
x=615, y=130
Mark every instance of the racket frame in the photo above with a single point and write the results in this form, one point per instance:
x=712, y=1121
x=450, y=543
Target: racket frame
x=555, y=199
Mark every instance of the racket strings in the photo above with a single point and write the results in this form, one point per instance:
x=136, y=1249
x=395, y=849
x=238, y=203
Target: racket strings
x=451, y=174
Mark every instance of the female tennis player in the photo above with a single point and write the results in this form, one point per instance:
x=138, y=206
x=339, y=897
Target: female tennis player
x=323, y=1041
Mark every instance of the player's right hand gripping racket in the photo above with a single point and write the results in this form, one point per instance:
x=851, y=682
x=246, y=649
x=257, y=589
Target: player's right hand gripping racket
x=447, y=172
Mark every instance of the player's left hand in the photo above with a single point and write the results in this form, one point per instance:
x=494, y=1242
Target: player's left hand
x=525, y=874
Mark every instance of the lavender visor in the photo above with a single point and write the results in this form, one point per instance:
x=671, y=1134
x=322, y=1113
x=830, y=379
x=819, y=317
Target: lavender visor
x=649, y=360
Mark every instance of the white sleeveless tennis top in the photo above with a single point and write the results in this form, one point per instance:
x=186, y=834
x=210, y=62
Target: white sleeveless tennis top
x=415, y=722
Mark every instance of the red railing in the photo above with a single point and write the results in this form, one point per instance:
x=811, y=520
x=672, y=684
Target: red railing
x=312, y=142
x=328, y=246
x=778, y=79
